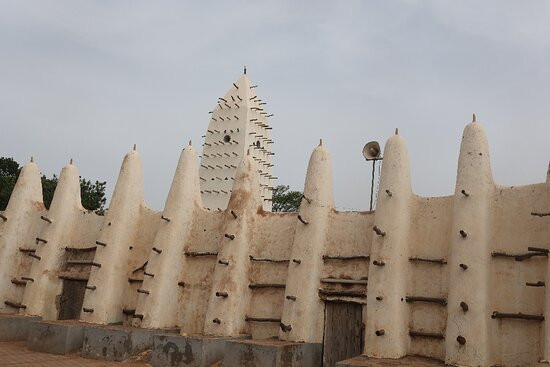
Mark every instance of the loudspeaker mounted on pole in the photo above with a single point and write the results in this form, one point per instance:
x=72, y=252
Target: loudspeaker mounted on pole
x=372, y=152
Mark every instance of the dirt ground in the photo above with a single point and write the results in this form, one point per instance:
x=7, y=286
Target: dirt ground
x=407, y=361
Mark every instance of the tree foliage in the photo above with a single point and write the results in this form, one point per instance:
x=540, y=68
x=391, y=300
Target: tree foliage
x=9, y=167
x=285, y=200
x=92, y=193
x=9, y=171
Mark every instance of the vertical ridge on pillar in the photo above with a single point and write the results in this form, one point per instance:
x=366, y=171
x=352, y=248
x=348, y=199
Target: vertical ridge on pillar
x=467, y=335
x=182, y=204
x=302, y=318
x=41, y=294
x=386, y=333
x=546, y=327
x=21, y=213
x=230, y=293
x=120, y=226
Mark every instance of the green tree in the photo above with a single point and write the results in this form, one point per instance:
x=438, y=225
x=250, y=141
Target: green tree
x=9, y=167
x=92, y=193
x=48, y=188
x=9, y=171
x=285, y=200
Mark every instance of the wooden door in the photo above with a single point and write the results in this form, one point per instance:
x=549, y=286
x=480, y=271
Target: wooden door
x=71, y=299
x=343, y=332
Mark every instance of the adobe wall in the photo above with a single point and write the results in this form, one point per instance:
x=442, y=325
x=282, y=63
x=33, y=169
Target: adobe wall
x=437, y=268
x=238, y=124
x=18, y=232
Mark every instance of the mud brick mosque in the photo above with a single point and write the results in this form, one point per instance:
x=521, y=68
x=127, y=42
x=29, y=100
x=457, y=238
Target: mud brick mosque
x=216, y=277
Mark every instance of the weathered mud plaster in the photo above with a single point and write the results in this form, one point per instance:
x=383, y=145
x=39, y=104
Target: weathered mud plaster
x=199, y=260
x=65, y=210
x=167, y=259
x=22, y=221
x=444, y=265
x=546, y=329
x=238, y=127
x=230, y=293
x=303, y=310
x=124, y=242
x=470, y=246
x=386, y=335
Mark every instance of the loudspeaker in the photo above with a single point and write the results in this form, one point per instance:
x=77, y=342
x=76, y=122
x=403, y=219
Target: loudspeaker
x=371, y=150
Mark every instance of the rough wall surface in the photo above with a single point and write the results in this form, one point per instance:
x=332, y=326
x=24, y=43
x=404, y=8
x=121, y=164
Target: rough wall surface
x=238, y=126
x=459, y=278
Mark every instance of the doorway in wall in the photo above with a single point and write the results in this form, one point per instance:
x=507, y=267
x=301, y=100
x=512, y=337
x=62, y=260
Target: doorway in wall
x=344, y=332
x=75, y=274
x=71, y=299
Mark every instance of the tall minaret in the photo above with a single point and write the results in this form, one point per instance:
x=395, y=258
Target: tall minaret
x=238, y=124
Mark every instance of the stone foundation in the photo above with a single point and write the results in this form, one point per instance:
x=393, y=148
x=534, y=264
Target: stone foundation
x=56, y=337
x=273, y=353
x=15, y=327
x=118, y=343
x=189, y=351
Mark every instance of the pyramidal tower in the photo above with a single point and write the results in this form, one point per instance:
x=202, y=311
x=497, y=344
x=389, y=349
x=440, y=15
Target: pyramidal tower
x=238, y=126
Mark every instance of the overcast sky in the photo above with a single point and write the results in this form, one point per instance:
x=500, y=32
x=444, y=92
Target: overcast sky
x=87, y=79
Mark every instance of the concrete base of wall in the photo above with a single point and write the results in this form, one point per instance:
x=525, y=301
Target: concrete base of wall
x=15, y=327
x=118, y=343
x=56, y=337
x=272, y=352
x=189, y=351
x=365, y=361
